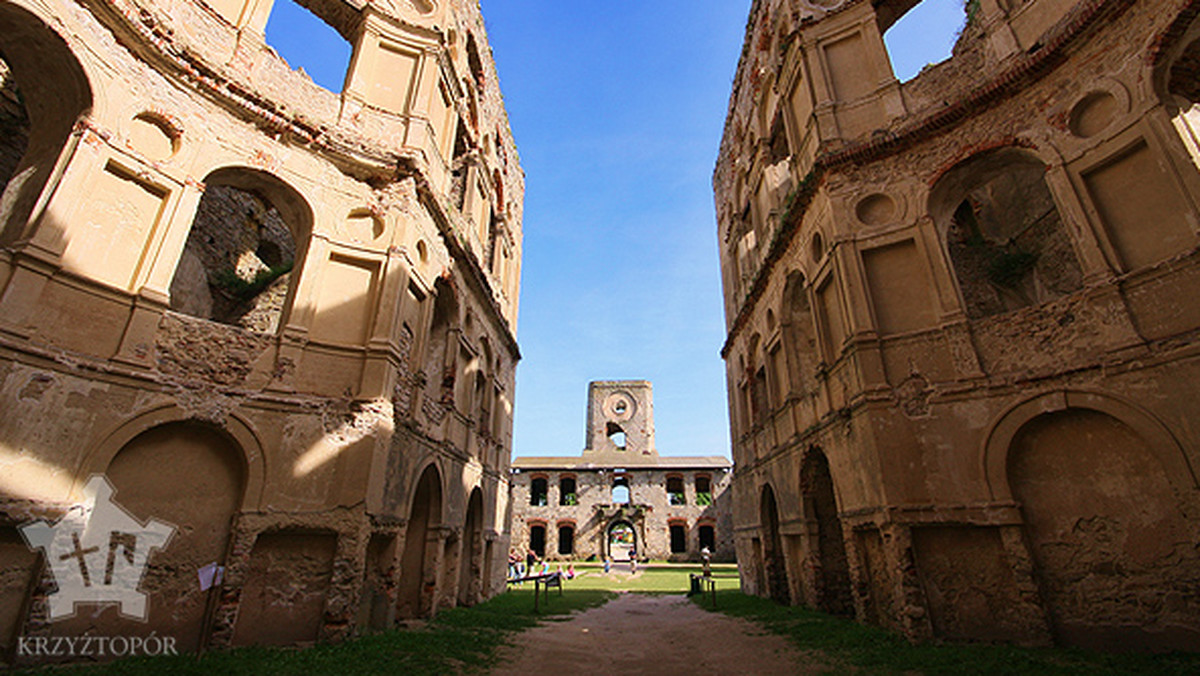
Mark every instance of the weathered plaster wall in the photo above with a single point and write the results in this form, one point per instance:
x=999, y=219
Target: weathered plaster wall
x=359, y=407
x=933, y=278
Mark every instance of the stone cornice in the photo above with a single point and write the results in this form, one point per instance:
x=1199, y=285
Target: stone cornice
x=1026, y=69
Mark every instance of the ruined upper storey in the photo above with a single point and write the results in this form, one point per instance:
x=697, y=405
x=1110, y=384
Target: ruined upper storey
x=181, y=207
x=815, y=90
x=421, y=99
x=962, y=356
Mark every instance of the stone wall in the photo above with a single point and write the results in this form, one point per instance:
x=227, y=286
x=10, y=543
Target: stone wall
x=620, y=479
x=941, y=286
x=650, y=511
x=293, y=435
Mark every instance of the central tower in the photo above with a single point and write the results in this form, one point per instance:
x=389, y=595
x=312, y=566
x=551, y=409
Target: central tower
x=620, y=420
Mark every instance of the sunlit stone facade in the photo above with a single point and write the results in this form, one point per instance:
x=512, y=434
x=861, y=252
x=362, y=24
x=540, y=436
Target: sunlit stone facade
x=961, y=356
x=278, y=318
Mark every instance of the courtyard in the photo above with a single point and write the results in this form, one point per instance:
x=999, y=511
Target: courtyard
x=640, y=623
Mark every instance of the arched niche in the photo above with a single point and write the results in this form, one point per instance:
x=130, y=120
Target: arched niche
x=244, y=251
x=799, y=333
x=774, y=559
x=819, y=503
x=192, y=476
x=418, y=575
x=54, y=93
x=1180, y=468
x=1113, y=541
x=470, y=581
x=101, y=453
x=1007, y=243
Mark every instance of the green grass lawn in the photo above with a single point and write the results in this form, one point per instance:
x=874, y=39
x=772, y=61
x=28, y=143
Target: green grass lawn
x=460, y=639
x=861, y=649
x=467, y=639
x=653, y=578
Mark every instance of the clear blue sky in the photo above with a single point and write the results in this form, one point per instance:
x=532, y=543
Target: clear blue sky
x=617, y=109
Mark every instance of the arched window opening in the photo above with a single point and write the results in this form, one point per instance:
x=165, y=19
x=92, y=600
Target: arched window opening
x=566, y=492
x=762, y=406
x=237, y=265
x=620, y=491
x=464, y=367
x=538, y=490
x=1006, y=240
x=616, y=435
x=460, y=167
x=498, y=411
x=473, y=61
x=480, y=398
x=704, y=496
x=678, y=532
x=498, y=187
x=566, y=540
x=14, y=124
x=537, y=540
x=777, y=388
x=43, y=92
x=440, y=352
x=925, y=35
x=708, y=537
x=675, y=491
x=778, y=141
x=309, y=44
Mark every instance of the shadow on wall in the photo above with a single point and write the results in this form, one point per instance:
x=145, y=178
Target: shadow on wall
x=43, y=92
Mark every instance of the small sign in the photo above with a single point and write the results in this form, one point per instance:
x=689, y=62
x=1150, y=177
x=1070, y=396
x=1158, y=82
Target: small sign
x=211, y=576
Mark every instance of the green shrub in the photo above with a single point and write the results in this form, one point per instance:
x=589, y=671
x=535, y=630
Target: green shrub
x=232, y=283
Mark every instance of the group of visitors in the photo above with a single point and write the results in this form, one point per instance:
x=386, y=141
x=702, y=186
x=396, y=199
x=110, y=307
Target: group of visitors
x=633, y=562
x=520, y=568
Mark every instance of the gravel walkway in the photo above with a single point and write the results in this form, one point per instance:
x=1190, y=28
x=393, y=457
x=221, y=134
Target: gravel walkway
x=645, y=634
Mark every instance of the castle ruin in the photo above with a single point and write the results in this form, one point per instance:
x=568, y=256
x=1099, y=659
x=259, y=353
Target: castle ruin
x=962, y=354
x=278, y=318
x=620, y=499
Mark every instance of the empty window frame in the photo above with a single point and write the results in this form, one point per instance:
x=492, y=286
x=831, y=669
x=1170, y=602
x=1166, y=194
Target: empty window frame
x=566, y=539
x=537, y=539
x=675, y=491
x=566, y=492
x=704, y=495
x=678, y=538
x=538, y=490
x=620, y=490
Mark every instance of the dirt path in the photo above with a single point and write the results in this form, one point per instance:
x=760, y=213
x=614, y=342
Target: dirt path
x=643, y=634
